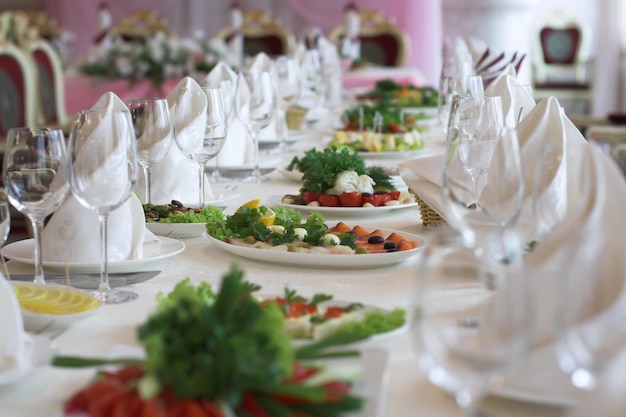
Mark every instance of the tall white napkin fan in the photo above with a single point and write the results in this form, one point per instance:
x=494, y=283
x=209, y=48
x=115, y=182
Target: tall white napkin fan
x=71, y=234
x=238, y=147
x=175, y=177
x=15, y=343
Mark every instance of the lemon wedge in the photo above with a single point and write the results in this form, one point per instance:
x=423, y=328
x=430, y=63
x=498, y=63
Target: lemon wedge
x=250, y=205
x=268, y=218
x=54, y=300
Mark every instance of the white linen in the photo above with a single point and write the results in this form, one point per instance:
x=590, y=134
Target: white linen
x=72, y=233
x=237, y=149
x=516, y=97
x=277, y=127
x=175, y=177
x=15, y=344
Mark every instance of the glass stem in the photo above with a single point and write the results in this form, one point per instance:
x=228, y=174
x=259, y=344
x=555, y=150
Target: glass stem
x=202, y=168
x=38, y=235
x=475, y=189
x=147, y=173
x=104, y=288
x=256, y=172
x=468, y=401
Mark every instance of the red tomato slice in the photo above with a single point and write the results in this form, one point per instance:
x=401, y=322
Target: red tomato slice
x=353, y=199
x=310, y=196
x=374, y=199
x=329, y=200
x=395, y=195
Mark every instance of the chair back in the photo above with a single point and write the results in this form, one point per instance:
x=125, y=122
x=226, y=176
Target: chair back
x=382, y=41
x=17, y=88
x=260, y=34
x=560, y=50
x=140, y=25
x=50, y=86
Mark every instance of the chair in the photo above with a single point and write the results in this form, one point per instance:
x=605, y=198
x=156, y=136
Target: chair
x=382, y=42
x=560, y=62
x=260, y=34
x=49, y=73
x=17, y=88
x=140, y=25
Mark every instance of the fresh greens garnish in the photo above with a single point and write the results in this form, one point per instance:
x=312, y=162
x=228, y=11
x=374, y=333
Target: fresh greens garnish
x=319, y=169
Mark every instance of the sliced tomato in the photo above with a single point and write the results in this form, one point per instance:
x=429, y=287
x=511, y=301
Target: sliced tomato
x=211, y=409
x=329, y=200
x=251, y=406
x=395, y=195
x=353, y=199
x=334, y=312
x=310, y=196
x=374, y=199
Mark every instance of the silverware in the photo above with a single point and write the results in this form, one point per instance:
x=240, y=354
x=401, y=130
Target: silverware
x=91, y=281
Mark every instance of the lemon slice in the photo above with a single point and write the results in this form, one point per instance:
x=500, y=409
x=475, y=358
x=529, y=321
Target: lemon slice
x=268, y=218
x=54, y=300
x=250, y=204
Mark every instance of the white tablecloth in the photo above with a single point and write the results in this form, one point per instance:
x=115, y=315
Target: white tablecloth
x=42, y=393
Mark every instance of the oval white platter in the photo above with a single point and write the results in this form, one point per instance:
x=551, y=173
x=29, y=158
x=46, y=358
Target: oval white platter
x=23, y=251
x=341, y=211
x=177, y=230
x=325, y=260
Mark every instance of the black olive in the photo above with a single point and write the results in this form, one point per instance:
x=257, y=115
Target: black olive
x=375, y=239
x=389, y=245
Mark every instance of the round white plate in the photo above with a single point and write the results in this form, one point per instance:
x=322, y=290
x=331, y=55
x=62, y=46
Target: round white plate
x=266, y=167
x=394, y=155
x=292, y=137
x=34, y=321
x=291, y=175
x=42, y=352
x=324, y=260
x=177, y=230
x=341, y=211
x=23, y=251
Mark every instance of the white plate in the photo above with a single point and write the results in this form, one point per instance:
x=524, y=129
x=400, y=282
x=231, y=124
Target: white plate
x=324, y=260
x=23, y=250
x=266, y=167
x=42, y=352
x=177, y=230
x=34, y=321
x=394, y=155
x=291, y=175
x=341, y=211
x=292, y=137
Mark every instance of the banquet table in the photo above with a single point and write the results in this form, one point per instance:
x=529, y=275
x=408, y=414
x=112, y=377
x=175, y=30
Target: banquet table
x=405, y=389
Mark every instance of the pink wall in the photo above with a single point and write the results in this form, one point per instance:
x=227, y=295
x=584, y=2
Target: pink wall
x=421, y=19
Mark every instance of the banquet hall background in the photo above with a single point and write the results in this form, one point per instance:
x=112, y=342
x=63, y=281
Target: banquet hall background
x=507, y=25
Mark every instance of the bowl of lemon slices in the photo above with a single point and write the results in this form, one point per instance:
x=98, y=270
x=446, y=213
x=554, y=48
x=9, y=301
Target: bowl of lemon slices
x=53, y=306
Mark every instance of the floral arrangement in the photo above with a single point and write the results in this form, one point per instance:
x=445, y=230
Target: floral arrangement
x=157, y=57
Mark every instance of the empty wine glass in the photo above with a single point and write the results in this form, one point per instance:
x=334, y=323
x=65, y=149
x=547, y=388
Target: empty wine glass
x=201, y=139
x=5, y=222
x=469, y=333
x=153, y=130
x=35, y=178
x=228, y=96
x=104, y=174
x=258, y=111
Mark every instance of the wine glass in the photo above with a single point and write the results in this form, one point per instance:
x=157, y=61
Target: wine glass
x=228, y=95
x=288, y=87
x=258, y=111
x=104, y=174
x=5, y=227
x=153, y=130
x=469, y=333
x=35, y=178
x=200, y=127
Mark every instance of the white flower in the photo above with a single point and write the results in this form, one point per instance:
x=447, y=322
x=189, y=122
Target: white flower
x=124, y=66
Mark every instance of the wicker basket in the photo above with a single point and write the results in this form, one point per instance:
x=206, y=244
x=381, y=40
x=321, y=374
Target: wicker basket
x=295, y=117
x=429, y=216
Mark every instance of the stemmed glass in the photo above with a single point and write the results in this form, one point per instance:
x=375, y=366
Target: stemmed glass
x=228, y=96
x=153, y=130
x=103, y=175
x=5, y=227
x=470, y=333
x=288, y=79
x=258, y=111
x=35, y=178
x=200, y=127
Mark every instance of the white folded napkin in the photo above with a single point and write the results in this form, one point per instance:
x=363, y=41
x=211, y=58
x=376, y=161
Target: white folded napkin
x=516, y=97
x=175, y=177
x=237, y=149
x=15, y=344
x=72, y=233
x=277, y=127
